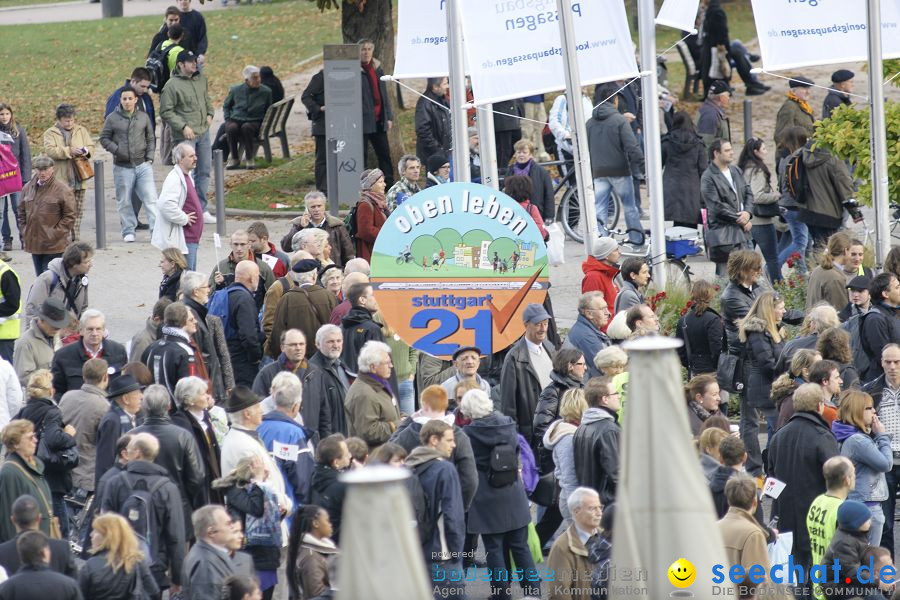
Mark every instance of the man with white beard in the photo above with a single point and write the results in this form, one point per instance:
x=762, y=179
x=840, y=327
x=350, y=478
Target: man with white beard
x=325, y=385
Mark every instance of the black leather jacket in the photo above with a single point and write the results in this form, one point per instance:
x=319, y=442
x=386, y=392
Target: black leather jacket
x=596, y=450
x=546, y=412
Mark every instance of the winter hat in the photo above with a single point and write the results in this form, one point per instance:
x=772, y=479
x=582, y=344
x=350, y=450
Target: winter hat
x=842, y=75
x=603, y=247
x=800, y=82
x=241, y=397
x=436, y=161
x=369, y=177
x=852, y=515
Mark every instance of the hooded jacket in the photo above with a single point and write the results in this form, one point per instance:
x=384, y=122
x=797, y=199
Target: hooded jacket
x=444, y=500
x=407, y=436
x=596, y=450
x=359, y=328
x=129, y=138
x=872, y=458
x=316, y=560
x=759, y=367
x=56, y=282
x=827, y=285
x=495, y=509
x=629, y=295
x=547, y=411
x=559, y=439
x=328, y=491
x=614, y=150
x=600, y=277
x=829, y=187
x=185, y=102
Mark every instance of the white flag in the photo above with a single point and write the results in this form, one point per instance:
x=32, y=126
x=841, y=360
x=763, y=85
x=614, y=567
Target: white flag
x=680, y=14
x=422, y=49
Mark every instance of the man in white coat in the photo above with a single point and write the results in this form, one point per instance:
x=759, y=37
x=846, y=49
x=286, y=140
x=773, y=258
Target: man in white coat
x=178, y=223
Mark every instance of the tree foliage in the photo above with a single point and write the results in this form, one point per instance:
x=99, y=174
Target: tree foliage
x=846, y=135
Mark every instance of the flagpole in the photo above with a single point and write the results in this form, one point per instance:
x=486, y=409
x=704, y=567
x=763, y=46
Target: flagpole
x=458, y=117
x=878, y=141
x=652, y=151
x=583, y=177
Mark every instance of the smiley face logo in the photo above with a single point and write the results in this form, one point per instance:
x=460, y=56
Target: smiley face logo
x=682, y=573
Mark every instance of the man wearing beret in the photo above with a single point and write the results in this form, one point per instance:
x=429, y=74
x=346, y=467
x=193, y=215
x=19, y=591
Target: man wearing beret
x=839, y=95
x=795, y=112
x=305, y=307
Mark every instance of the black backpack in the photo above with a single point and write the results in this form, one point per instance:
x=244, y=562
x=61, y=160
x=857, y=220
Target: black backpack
x=503, y=469
x=158, y=65
x=422, y=508
x=350, y=222
x=795, y=177
x=138, y=511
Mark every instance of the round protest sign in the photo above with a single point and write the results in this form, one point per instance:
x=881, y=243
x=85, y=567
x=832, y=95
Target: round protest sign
x=456, y=265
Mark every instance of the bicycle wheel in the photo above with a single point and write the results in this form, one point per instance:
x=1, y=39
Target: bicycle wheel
x=678, y=274
x=570, y=215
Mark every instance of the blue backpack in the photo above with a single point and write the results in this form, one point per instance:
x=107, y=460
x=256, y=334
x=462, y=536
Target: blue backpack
x=218, y=306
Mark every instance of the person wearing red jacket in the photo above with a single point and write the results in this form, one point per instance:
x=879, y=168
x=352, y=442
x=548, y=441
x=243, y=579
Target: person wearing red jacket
x=601, y=268
x=370, y=212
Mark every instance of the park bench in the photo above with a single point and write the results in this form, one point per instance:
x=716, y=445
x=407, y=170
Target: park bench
x=274, y=125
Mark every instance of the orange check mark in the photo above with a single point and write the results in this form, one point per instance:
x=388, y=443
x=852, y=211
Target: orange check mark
x=503, y=316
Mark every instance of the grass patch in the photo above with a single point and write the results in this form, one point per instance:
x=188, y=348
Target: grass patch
x=70, y=62
x=285, y=181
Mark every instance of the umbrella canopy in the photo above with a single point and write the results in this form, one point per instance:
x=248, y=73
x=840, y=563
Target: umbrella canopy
x=664, y=510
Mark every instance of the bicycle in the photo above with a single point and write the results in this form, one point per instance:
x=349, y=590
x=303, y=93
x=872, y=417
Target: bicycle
x=678, y=272
x=568, y=209
x=405, y=258
x=893, y=224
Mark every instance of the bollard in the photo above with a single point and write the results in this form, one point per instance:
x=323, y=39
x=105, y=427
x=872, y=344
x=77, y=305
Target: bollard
x=219, y=174
x=100, y=204
x=748, y=119
x=111, y=8
x=331, y=175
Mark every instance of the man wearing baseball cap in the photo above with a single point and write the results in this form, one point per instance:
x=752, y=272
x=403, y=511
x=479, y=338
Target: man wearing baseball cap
x=186, y=107
x=526, y=370
x=795, y=112
x=839, y=95
x=713, y=123
x=860, y=299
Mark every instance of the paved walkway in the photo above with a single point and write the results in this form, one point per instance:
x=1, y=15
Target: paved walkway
x=87, y=11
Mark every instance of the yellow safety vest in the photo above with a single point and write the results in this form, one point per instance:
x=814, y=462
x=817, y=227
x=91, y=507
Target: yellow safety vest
x=10, y=326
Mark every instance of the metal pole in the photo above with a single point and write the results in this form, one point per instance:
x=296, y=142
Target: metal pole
x=748, y=120
x=331, y=175
x=219, y=174
x=584, y=180
x=652, y=152
x=878, y=141
x=458, y=118
x=100, y=204
x=484, y=119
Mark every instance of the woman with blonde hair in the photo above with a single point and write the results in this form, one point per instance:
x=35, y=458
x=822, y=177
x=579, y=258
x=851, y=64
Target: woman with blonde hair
x=558, y=439
x=708, y=444
x=611, y=361
x=763, y=338
x=828, y=281
x=863, y=440
x=118, y=568
x=172, y=264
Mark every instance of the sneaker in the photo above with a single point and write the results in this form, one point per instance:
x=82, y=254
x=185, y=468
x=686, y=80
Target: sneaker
x=249, y=164
x=233, y=164
x=208, y=218
x=630, y=248
x=142, y=226
x=128, y=238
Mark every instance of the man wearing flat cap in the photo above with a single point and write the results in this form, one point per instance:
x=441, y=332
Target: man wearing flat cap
x=466, y=361
x=305, y=307
x=795, y=112
x=839, y=94
x=526, y=370
x=712, y=121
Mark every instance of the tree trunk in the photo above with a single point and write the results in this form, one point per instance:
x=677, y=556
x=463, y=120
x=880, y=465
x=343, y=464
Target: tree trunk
x=375, y=21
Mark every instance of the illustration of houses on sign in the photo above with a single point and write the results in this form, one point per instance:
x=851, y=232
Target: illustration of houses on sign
x=526, y=254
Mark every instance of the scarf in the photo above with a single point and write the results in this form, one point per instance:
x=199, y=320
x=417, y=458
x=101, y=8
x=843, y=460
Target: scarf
x=375, y=198
x=802, y=103
x=523, y=169
x=200, y=366
x=698, y=410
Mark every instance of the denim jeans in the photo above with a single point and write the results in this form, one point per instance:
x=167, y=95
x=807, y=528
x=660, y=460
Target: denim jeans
x=134, y=179
x=888, y=508
x=624, y=187
x=407, y=397
x=42, y=260
x=201, y=173
x=798, y=241
x=191, y=257
x=61, y=512
x=764, y=235
x=877, y=527
x=5, y=229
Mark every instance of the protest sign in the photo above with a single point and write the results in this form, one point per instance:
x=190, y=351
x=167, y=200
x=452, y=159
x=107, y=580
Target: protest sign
x=456, y=265
x=800, y=33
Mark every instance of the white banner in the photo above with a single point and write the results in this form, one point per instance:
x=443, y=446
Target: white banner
x=421, y=39
x=680, y=14
x=513, y=46
x=800, y=33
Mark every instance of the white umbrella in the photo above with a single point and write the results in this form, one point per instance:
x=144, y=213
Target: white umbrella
x=381, y=558
x=664, y=510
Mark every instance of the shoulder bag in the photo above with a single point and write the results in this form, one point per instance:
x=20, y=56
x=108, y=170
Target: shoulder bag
x=55, y=531
x=83, y=168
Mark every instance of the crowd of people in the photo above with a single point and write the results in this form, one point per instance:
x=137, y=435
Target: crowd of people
x=204, y=456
